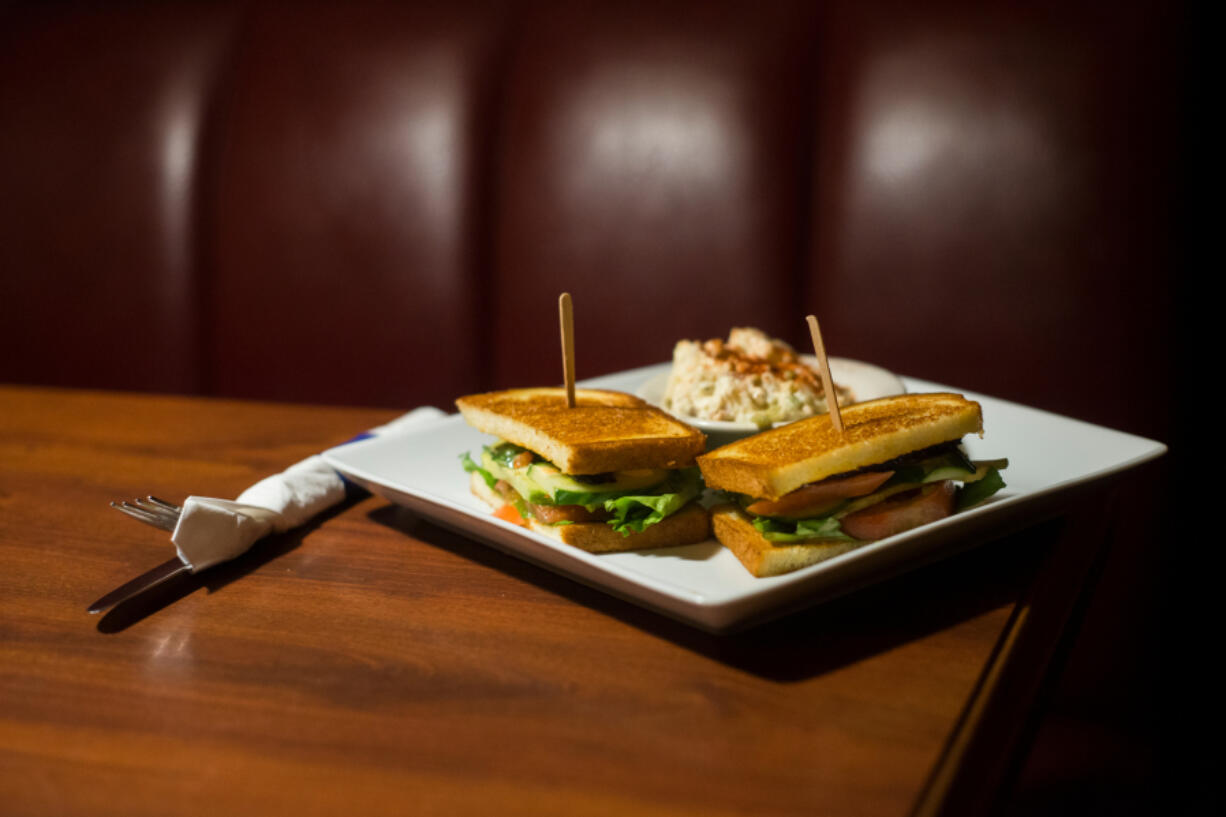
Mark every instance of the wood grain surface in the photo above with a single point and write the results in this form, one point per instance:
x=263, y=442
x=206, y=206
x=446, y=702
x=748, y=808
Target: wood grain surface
x=371, y=663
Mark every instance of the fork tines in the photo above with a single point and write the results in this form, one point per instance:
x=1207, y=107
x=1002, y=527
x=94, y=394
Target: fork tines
x=152, y=511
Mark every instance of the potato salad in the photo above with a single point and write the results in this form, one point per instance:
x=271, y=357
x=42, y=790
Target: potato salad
x=750, y=378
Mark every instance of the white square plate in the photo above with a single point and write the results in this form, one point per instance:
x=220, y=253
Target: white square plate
x=704, y=584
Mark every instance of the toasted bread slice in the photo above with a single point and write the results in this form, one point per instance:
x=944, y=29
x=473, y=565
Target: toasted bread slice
x=689, y=525
x=605, y=431
x=776, y=462
x=763, y=557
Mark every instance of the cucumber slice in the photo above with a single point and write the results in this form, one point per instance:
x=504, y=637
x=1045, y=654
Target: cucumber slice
x=552, y=480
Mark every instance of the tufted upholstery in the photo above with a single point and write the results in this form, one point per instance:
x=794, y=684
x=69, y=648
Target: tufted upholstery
x=379, y=203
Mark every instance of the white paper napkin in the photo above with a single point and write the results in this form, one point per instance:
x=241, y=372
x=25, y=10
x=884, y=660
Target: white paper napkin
x=213, y=530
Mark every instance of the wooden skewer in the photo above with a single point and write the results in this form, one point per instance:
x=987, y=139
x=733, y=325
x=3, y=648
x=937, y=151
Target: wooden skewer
x=566, y=317
x=832, y=400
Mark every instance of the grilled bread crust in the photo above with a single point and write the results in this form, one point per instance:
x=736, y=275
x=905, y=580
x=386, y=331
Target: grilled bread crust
x=605, y=431
x=689, y=525
x=763, y=557
x=776, y=462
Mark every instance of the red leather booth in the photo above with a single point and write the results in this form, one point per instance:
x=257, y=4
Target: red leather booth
x=379, y=203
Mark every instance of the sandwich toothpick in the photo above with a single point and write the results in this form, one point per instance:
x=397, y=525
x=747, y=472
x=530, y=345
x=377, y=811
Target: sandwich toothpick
x=832, y=400
x=566, y=317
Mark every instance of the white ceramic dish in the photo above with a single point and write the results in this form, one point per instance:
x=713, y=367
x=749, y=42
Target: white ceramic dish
x=704, y=584
x=866, y=381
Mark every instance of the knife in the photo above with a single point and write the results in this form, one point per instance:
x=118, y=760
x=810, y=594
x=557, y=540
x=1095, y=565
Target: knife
x=159, y=575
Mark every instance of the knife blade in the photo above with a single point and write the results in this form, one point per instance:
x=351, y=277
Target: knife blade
x=158, y=575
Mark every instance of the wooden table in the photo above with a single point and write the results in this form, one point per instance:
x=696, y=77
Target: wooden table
x=372, y=663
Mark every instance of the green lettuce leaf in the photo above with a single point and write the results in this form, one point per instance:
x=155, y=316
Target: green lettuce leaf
x=973, y=493
x=467, y=463
x=588, y=499
x=634, y=513
x=800, y=530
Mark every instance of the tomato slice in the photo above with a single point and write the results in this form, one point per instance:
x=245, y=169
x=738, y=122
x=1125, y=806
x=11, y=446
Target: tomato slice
x=902, y=512
x=818, y=497
x=508, y=513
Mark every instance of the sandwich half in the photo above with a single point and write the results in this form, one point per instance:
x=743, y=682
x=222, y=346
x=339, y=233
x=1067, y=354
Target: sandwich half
x=802, y=493
x=612, y=473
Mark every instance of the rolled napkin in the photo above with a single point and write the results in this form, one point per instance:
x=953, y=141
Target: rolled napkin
x=213, y=530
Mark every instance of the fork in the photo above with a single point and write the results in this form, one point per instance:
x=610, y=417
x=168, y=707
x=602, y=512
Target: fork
x=152, y=511
x=160, y=514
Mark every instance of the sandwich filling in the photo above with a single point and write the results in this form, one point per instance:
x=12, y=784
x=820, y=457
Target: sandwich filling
x=879, y=500
x=536, y=489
